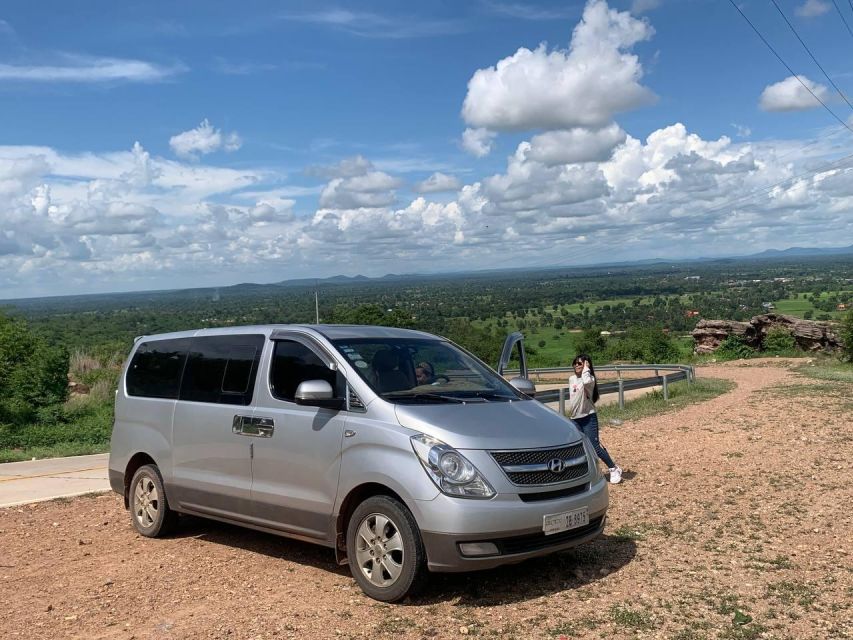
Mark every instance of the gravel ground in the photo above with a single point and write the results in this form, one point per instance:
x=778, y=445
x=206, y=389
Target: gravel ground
x=733, y=522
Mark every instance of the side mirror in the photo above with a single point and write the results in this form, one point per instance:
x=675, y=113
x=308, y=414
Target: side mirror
x=524, y=385
x=317, y=393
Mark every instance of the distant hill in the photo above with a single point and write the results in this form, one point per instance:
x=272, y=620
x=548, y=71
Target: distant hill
x=599, y=268
x=794, y=252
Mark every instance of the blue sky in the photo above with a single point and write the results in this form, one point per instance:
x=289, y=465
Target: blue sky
x=153, y=145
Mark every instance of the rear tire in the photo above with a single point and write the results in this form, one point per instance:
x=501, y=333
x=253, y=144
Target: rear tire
x=385, y=551
x=149, y=507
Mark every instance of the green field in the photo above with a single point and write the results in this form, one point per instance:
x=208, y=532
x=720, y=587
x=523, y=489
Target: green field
x=800, y=305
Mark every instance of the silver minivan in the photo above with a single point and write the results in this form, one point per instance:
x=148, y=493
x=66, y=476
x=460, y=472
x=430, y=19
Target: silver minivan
x=396, y=448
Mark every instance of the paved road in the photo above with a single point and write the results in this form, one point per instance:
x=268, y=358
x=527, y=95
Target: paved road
x=24, y=482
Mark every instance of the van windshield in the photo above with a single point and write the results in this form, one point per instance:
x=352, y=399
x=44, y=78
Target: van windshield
x=423, y=371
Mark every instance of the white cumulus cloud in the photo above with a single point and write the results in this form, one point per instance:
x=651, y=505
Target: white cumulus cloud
x=575, y=145
x=478, y=142
x=791, y=95
x=438, y=182
x=584, y=86
x=813, y=8
x=202, y=140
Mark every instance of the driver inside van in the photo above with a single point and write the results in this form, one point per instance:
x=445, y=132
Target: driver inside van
x=424, y=373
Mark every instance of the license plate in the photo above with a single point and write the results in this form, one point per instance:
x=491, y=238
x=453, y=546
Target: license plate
x=557, y=522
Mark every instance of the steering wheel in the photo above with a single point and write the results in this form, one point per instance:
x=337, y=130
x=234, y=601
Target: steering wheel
x=439, y=380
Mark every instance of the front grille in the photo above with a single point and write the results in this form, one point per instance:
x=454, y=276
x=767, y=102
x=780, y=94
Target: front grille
x=537, y=541
x=553, y=495
x=537, y=456
x=526, y=467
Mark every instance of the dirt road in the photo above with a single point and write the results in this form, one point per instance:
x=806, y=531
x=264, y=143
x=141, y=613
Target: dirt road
x=733, y=511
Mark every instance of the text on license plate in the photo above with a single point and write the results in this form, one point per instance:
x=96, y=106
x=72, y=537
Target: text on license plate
x=557, y=522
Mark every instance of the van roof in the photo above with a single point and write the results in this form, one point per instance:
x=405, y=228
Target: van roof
x=329, y=331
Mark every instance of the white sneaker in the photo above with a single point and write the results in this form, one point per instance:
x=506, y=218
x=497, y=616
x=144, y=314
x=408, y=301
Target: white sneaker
x=615, y=475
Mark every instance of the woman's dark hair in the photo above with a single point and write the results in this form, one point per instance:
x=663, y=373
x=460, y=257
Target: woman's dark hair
x=580, y=358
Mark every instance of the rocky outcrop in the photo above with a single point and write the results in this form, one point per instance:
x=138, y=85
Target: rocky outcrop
x=808, y=334
x=709, y=334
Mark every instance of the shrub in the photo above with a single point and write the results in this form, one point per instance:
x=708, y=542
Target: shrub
x=779, y=341
x=847, y=337
x=645, y=344
x=91, y=424
x=732, y=348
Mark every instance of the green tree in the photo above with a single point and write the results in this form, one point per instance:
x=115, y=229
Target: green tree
x=33, y=374
x=370, y=314
x=483, y=343
x=592, y=343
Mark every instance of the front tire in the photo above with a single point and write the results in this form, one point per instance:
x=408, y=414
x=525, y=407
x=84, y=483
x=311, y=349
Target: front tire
x=149, y=508
x=385, y=551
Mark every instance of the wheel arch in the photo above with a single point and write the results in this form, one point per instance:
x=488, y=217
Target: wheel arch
x=137, y=460
x=355, y=497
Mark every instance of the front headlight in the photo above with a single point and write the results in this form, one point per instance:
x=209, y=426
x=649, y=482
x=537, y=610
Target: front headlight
x=449, y=469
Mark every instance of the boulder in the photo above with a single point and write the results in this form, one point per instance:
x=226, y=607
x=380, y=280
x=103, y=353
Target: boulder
x=810, y=335
x=708, y=334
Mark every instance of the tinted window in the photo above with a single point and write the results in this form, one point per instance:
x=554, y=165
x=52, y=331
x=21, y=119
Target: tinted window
x=155, y=371
x=418, y=370
x=222, y=369
x=294, y=363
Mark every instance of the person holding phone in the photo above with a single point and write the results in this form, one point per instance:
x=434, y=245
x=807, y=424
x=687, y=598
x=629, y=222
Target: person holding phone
x=583, y=394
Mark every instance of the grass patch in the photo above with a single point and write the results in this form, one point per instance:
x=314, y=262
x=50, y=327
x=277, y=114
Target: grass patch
x=680, y=395
x=745, y=632
x=832, y=371
x=395, y=625
x=789, y=593
x=565, y=628
x=641, y=531
x=631, y=618
x=71, y=430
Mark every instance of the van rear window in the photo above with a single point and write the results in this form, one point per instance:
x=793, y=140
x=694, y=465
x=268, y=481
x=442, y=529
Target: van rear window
x=156, y=368
x=222, y=369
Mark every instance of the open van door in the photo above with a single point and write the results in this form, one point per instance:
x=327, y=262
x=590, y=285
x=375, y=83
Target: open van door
x=520, y=382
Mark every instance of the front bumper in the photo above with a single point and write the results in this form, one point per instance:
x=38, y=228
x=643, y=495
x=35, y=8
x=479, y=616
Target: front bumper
x=511, y=524
x=444, y=556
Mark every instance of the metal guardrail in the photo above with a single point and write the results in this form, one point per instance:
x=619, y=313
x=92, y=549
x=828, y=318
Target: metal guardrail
x=620, y=386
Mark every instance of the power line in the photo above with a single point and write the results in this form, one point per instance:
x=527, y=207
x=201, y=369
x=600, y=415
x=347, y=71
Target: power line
x=843, y=19
x=579, y=253
x=770, y=46
x=788, y=22
x=745, y=198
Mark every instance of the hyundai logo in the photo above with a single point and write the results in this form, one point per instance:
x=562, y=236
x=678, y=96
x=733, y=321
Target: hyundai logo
x=555, y=465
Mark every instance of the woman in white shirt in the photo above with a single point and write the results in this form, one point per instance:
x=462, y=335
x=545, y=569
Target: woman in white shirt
x=583, y=394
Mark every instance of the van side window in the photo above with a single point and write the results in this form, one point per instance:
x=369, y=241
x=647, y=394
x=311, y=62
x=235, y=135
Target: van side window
x=222, y=369
x=293, y=363
x=156, y=368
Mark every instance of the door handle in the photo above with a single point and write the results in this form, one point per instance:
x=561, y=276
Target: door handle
x=265, y=426
x=253, y=426
x=239, y=423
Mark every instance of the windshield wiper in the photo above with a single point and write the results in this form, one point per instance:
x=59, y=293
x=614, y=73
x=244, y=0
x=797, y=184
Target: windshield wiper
x=425, y=396
x=493, y=395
